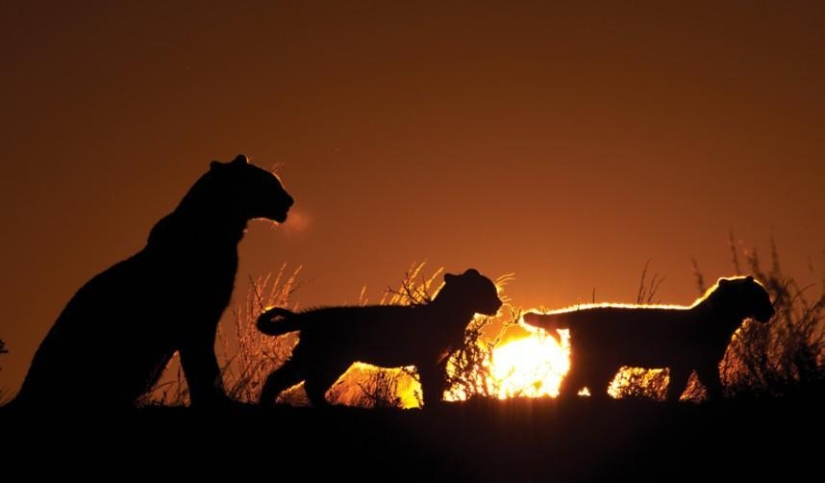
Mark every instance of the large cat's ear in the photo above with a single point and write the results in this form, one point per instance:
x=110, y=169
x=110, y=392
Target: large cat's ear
x=449, y=276
x=723, y=282
x=472, y=272
x=240, y=160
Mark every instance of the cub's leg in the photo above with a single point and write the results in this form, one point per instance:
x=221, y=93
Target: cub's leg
x=599, y=378
x=573, y=381
x=678, y=381
x=291, y=373
x=200, y=366
x=433, y=383
x=709, y=377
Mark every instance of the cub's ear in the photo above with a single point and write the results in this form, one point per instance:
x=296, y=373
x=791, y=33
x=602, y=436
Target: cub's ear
x=723, y=282
x=215, y=165
x=749, y=278
x=240, y=159
x=449, y=277
x=472, y=272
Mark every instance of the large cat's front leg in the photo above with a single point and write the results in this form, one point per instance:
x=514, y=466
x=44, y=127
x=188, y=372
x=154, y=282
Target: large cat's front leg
x=200, y=366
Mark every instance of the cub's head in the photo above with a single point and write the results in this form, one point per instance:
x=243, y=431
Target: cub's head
x=746, y=295
x=244, y=190
x=471, y=291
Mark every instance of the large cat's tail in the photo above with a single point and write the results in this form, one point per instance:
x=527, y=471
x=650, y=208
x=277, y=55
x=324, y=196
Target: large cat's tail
x=277, y=321
x=549, y=322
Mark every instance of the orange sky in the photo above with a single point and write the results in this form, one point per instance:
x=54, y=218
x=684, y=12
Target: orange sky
x=568, y=145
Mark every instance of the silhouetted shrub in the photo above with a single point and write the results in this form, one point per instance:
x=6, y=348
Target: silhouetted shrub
x=640, y=383
x=257, y=354
x=787, y=355
x=469, y=371
x=380, y=391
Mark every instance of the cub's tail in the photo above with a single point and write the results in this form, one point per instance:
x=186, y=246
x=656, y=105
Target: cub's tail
x=277, y=321
x=549, y=322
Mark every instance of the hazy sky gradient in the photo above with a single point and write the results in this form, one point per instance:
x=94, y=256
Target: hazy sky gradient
x=567, y=145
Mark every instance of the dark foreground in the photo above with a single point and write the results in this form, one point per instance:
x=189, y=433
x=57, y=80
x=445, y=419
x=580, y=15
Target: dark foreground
x=520, y=440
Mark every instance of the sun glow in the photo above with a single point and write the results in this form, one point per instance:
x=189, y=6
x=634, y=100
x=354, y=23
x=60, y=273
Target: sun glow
x=532, y=366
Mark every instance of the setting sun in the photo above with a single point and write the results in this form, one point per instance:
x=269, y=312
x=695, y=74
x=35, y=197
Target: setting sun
x=532, y=366
x=528, y=366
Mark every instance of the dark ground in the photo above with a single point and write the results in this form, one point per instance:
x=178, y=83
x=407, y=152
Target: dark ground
x=517, y=440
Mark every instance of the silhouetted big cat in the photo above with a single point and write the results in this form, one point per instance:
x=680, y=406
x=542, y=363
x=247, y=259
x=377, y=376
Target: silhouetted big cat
x=116, y=335
x=603, y=338
x=333, y=338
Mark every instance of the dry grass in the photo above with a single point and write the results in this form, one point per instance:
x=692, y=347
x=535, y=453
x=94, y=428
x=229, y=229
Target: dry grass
x=787, y=355
x=258, y=354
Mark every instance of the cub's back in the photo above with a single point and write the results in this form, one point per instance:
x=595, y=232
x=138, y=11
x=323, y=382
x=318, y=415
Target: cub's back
x=616, y=321
x=366, y=319
x=383, y=335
